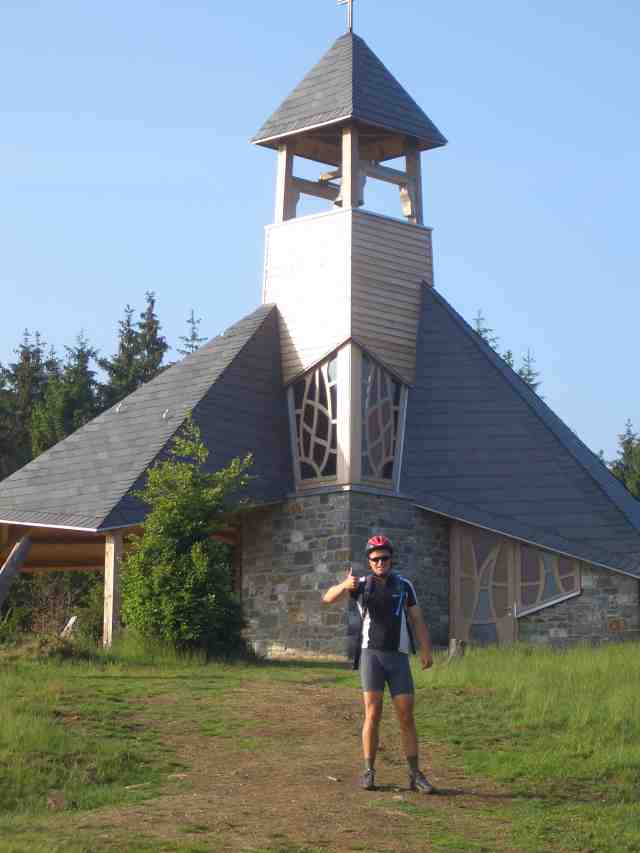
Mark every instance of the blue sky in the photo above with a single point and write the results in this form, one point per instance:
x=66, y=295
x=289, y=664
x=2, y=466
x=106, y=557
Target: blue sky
x=125, y=166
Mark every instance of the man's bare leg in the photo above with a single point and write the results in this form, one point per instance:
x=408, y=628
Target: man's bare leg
x=403, y=704
x=371, y=728
x=404, y=711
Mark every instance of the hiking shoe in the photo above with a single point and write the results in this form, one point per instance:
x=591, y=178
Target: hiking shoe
x=369, y=780
x=419, y=782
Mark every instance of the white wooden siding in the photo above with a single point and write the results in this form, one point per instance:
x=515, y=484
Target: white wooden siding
x=307, y=275
x=347, y=274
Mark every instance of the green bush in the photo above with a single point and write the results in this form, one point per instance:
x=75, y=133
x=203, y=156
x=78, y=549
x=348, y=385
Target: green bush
x=177, y=580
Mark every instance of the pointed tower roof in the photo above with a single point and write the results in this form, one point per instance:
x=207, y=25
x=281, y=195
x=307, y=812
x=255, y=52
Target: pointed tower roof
x=350, y=83
x=482, y=447
x=233, y=387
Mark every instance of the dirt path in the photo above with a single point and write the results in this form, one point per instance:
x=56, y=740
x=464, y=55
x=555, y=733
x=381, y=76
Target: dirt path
x=289, y=782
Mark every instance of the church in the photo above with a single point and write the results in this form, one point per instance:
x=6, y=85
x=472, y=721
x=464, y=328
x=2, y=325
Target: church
x=369, y=405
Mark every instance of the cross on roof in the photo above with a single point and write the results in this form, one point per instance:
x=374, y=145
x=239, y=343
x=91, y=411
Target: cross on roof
x=349, y=4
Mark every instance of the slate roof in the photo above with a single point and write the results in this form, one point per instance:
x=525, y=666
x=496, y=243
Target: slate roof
x=482, y=447
x=233, y=386
x=350, y=82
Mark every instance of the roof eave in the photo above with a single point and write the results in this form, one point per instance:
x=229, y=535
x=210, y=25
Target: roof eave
x=425, y=143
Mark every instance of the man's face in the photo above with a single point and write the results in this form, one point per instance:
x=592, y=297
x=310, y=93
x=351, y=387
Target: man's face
x=380, y=563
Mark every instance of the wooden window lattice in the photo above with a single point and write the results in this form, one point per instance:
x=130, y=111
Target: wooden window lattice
x=316, y=412
x=380, y=418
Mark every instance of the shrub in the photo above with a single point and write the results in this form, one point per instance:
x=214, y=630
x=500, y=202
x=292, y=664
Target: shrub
x=177, y=580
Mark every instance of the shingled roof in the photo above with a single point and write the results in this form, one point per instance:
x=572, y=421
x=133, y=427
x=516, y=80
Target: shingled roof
x=350, y=82
x=233, y=386
x=482, y=447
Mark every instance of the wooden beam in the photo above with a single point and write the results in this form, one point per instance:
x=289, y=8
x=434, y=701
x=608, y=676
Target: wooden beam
x=112, y=559
x=320, y=189
x=45, y=568
x=12, y=564
x=286, y=198
x=414, y=171
x=352, y=177
x=384, y=173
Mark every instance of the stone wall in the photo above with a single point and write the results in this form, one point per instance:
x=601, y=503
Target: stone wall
x=607, y=610
x=294, y=551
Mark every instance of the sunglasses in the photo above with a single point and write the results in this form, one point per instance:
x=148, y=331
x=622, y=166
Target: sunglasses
x=379, y=560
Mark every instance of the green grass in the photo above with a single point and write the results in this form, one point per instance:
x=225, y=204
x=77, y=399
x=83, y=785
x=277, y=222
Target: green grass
x=559, y=731
x=549, y=743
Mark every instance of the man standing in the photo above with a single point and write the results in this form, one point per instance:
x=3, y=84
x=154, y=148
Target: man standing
x=385, y=599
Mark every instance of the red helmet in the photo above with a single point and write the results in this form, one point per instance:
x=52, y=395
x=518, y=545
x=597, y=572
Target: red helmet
x=378, y=543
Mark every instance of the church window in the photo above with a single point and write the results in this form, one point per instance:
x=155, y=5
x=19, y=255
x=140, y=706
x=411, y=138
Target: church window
x=496, y=580
x=315, y=404
x=381, y=396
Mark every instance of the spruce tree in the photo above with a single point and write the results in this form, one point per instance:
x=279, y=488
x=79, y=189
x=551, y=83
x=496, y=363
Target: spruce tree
x=626, y=466
x=121, y=368
x=484, y=331
x=152, y=346
x=69, y=400
x=192, y=341
x=141, y=350
x=6, y=441
x=25, y=382
x=509, y=357
x=528, y=373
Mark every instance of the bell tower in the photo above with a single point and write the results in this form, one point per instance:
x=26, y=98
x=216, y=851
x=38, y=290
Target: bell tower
x=348, y=283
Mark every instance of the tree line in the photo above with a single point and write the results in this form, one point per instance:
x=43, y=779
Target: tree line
x=45, y=397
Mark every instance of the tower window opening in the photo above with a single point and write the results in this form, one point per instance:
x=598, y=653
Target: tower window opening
x=316, y=416
x=381, y=395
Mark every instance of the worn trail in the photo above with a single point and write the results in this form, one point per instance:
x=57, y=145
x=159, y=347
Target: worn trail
x=286, y=780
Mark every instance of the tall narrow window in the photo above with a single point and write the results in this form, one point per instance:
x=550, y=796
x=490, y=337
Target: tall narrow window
x=315, y=401
x=381, y=396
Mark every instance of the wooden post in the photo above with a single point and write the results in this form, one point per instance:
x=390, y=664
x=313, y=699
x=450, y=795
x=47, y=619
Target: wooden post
x=112, y=558
x=286, y=196
x=414, y=171
x=352, y=175
x=12, y=565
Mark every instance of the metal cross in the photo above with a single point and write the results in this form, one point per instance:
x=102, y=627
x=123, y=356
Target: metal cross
x=349, y=4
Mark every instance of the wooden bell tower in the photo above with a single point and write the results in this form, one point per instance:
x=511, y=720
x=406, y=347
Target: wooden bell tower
x=348, y=283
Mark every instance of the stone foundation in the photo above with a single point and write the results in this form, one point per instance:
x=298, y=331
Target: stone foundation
x=607, y=610
x=294, y=551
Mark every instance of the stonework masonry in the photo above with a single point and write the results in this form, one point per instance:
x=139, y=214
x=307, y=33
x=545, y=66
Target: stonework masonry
x=607, y=610
x=294, y=551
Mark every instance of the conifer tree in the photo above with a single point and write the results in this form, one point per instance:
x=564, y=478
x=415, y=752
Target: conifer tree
x=626, y=466
x=484, y=331
x=528, y=373
x=141, y=349
x=152, y=346
x=510, y=359
x=69, y=400
x=25, y=381
x=192, y=341
x=6, y=441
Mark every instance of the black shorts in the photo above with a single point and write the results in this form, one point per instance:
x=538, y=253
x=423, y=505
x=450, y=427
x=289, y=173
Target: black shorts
x=378, y=668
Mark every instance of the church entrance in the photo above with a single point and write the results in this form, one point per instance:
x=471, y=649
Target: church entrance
x=495, y=580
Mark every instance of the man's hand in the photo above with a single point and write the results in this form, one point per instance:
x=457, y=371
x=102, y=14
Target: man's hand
x=427, y=659
x=351, y=582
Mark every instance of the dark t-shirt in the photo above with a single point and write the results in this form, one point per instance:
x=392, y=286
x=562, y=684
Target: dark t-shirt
x=385, y=621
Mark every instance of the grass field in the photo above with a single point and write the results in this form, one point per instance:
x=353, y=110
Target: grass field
x=531, y=750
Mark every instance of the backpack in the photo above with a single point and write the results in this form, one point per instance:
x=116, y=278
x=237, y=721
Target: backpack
x=355, y=623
